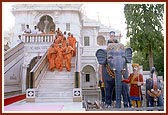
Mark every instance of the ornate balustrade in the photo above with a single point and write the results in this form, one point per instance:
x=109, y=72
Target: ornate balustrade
x=30, y=38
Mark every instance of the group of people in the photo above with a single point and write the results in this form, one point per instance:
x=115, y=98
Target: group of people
x=61, y=51
x=35, y=31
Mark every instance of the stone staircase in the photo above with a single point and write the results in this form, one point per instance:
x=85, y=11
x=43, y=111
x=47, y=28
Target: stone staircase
x=56, y=86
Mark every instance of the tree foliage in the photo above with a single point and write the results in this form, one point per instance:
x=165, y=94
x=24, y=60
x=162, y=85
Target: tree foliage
x=158, y=61
x=145, y=30
x=140, y=58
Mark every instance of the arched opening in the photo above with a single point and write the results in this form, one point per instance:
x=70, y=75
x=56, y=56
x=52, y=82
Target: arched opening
x=89, y=80
x=30, y=67
x=101, y=40
x=46, y=24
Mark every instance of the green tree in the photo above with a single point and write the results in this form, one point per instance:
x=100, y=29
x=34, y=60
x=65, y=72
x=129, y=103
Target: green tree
x=159, y=62
x=144, y=29
x=140, y=58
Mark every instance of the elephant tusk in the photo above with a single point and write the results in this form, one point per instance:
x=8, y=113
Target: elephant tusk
x=124, y=69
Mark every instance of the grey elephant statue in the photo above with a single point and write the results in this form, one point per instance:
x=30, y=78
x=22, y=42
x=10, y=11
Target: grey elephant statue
x=114, y=61
x=154, y=94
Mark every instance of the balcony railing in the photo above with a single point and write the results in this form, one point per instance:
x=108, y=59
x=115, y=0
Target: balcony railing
x=30, y=38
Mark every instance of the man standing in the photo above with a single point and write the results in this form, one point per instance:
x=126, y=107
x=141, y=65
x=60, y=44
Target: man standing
x=68, y=56
x=27, y=30
x=51, y=55
x=112, y=38
x=59, y=58
x=136, y=80
x=35, y=31
x=72, y=42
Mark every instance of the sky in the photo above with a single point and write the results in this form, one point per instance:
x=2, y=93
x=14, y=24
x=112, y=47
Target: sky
x=109, y=13
x=8, y=18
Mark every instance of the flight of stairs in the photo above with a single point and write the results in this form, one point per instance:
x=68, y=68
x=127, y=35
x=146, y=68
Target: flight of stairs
x=56, y=86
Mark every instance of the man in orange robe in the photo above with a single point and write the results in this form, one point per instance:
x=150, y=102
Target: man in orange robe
x=68, y=56
x=52, y=31
x=59, y=38
x=51, y=55
x=59, y=58
x=64, y=42
x=136, y=80
x=58, y=31
x=72, y=42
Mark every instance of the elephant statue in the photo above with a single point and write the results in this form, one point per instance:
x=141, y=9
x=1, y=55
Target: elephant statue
x=154, y=90
x=114, y=60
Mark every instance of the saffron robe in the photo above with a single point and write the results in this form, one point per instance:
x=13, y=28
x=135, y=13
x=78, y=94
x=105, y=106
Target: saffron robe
x=135, y=90
x=51, y=55
x=68, y=56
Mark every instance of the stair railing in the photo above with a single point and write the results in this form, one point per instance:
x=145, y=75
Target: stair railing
x=38, y=71
x=12, y=62
x=77, y=77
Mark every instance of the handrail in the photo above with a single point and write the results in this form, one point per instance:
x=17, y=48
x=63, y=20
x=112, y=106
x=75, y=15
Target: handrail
x=13, y=53
x=76, y=75
x=76, y=63
x=13, y=60
x=39, y=62
x=38, y=71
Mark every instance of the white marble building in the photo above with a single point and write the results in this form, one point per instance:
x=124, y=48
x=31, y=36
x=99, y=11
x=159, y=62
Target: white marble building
x=90, y=34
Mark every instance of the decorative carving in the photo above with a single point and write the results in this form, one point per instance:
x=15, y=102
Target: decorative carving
x=46, y=22
x=115, y=46
x=13, y=77
x=38, y=47
x=30, y=93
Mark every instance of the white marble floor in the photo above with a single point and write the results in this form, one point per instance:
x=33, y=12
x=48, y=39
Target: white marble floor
x=52, y=107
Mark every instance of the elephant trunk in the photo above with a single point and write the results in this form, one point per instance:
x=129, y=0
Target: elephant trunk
x=118, y=67
x=118, y=87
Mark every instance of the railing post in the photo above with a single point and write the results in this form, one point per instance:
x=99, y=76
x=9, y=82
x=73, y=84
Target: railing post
x=77, y=93
x=77, y=80
x=30, y=92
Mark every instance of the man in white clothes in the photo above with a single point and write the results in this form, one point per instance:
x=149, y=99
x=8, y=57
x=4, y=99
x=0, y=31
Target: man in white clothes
x=35, y=31
x=27, y=30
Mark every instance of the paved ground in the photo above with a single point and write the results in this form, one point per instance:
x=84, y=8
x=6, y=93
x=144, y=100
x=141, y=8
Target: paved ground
x=44, y=107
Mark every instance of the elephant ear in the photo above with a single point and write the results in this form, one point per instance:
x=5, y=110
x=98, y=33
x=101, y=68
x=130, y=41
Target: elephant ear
x=101, y=55
x=128, y=55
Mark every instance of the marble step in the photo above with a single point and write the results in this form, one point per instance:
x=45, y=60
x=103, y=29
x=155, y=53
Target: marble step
x=55, y=94
x=54, y=99
x=54, y=89
x=56, y=84
x=72, y=65
x=56, y=73
x=57, y=81
x=58, y=77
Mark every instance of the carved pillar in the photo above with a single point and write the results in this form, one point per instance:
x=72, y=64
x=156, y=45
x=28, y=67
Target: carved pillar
x=95, y=37
x=46, y=22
